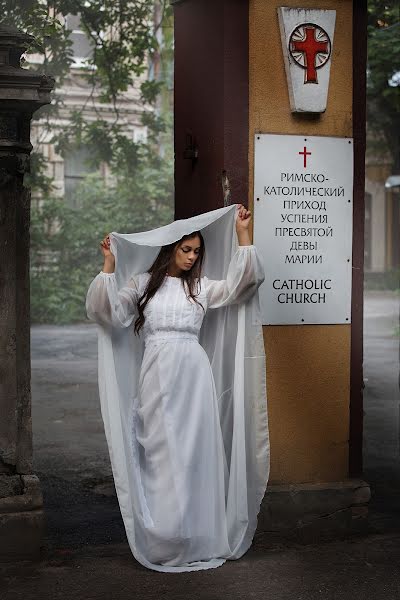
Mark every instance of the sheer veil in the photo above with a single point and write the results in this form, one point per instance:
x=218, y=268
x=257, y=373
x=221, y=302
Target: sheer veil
x=233, y=340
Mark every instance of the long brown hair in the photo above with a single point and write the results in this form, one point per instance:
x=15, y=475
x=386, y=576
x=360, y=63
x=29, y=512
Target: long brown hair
x=158, y=270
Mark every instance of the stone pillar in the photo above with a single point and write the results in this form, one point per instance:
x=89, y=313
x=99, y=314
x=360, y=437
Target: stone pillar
x=230, y=84
x=21, y=93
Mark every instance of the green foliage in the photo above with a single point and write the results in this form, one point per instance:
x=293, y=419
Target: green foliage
x=383, y=80
x=122, y=35
x=65, y=242
x=387, y=280
x=124, y=40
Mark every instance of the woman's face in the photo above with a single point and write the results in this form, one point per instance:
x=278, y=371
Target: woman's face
x=187, y=253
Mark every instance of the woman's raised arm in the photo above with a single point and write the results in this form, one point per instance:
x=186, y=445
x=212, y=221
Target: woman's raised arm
x=245, y=274
x=107, y=305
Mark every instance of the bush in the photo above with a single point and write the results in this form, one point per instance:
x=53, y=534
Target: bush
x=65, y=242
x=389, y=280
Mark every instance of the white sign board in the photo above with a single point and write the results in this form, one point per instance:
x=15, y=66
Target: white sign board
x=303, y=206
x=307, y=43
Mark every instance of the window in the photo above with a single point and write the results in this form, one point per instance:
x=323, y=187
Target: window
x=140, y=135
x=82, y=45
x=367, y=232
x=75, y=170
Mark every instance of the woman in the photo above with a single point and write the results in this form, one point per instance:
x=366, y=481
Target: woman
x=185, y=422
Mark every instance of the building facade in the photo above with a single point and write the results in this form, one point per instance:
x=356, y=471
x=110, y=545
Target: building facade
x=66, y=172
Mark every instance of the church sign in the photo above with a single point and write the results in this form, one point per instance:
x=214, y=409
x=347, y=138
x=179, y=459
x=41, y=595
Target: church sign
x=303, y=204
x=307, y=38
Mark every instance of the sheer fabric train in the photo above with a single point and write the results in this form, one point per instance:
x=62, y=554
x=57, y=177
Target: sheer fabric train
x=184, y=404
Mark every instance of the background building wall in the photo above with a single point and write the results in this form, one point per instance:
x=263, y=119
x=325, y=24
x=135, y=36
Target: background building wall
x=376, y=237
x=77, y=94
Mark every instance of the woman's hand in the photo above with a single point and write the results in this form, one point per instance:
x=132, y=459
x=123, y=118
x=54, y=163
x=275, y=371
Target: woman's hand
x=242, y=225
x=242, y=219
x=105, y=247
x=109, y=258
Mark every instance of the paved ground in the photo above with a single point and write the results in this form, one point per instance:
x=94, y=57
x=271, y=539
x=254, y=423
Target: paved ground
x=85, y=554
x=381, y=405
x=351, y=570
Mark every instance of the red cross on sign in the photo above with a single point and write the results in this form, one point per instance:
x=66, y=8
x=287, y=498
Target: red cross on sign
x=310, y=47
x=305, y=154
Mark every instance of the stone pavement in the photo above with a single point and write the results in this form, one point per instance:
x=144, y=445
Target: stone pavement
x=348, y=570
x=85, y=553
x=381, y=405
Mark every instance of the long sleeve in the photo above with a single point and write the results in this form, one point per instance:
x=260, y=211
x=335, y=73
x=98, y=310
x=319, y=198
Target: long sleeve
x=107, y=305
x=245, y=274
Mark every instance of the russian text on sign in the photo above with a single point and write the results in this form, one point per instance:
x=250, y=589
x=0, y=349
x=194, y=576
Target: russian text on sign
x=303, y=226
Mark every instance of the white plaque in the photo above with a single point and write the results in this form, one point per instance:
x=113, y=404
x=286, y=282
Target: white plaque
x=303, y=207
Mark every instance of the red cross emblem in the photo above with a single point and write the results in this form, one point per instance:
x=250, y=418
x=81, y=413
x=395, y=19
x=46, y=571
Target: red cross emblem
x=310, y=48
x=305, y=154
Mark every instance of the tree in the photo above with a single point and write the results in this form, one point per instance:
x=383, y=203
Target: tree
x=383, y=80
x=125, y=37
x=65, y=258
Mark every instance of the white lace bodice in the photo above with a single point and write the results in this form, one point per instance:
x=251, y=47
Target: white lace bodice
x=172, y=310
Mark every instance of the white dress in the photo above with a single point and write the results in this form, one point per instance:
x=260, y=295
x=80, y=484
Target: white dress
x=178, y=443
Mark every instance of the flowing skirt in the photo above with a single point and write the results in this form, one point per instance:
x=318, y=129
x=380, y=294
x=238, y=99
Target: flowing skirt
x=183, y=467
